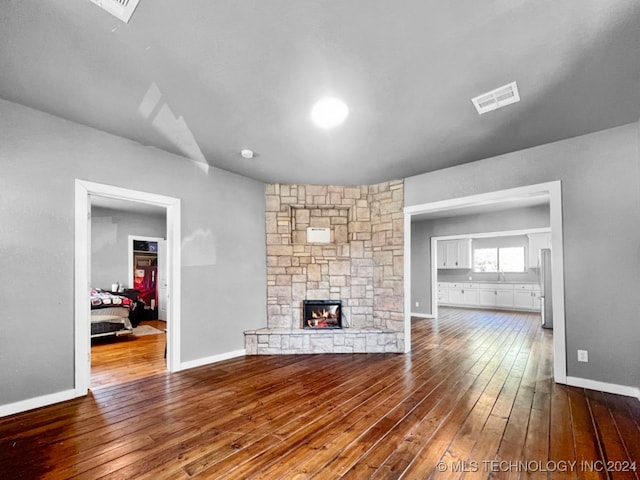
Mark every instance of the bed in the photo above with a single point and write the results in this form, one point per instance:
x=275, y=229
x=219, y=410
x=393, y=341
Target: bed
x=110, y=314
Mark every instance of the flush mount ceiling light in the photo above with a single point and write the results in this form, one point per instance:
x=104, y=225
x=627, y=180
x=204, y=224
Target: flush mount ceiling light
x=329, y=112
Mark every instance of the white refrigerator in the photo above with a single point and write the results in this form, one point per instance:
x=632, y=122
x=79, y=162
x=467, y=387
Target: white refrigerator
x=546, y=299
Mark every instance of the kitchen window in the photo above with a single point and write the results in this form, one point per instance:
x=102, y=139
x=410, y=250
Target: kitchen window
x=499, y=259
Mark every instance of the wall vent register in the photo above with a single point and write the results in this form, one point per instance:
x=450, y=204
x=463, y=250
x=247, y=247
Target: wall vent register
x=318, y=235
x=121, y=9
x=498, y=98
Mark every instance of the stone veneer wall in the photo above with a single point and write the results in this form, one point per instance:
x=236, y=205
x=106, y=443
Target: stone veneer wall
x=362, y=266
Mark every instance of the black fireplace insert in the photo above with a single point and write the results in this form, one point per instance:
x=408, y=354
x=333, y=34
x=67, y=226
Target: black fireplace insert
x=322, y=314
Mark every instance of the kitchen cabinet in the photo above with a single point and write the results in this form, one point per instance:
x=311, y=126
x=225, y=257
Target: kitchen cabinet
x=495, y=295
x=504, y=298
x=537, y=303
x=447, y=253
x=456, y=294
x=523, y=299
x=443, y=293
x=463, y=294
x=454, y=253
x=463, y=253
x=537, y=241
x=508, y=296
x=442, y=253
x=470, y=294
x=487, y=298
x=525, y=296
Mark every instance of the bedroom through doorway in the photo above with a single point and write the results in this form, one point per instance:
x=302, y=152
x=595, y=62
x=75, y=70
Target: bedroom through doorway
x=128, y=282
x=168, y=342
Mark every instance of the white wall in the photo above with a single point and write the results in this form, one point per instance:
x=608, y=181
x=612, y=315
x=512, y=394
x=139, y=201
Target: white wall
x=110, y=230
x=224, y=267
x=601, y=209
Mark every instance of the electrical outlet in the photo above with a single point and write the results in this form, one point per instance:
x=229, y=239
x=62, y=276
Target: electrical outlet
x=417, y=304
x=583, y=356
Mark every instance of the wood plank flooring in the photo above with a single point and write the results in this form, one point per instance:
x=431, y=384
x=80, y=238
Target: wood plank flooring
x=117, y=360
x=473, y=398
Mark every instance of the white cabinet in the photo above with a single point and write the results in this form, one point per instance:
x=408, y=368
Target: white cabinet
x=470, y=294
x=463, y=294
x=537, y=241
x=464, y=253
x=443, y=292
x=537, y=303
x=504, y=298
x=456, y=294
x=487, y=298
x=443, y=248
x=525, y=296
x=454, y=253
x=523, y=299
x=496, y=295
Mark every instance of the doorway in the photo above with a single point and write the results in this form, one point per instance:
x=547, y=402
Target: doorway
x=553, y=190
x=83, y=191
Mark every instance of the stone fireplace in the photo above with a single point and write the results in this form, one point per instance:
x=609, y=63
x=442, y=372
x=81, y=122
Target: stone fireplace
x=333, y=243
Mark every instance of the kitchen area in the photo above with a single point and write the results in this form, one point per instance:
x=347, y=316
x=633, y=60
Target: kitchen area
x=477, y=260
x=504, y=272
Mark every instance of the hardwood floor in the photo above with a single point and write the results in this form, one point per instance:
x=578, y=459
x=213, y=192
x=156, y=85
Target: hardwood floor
x=477, y=388
x=124, y=359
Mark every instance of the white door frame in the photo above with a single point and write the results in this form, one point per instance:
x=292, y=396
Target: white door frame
x=83, y=189
x=554, y=190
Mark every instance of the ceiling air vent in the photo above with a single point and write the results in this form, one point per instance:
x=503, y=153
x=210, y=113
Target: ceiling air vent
x=122, y=9
x=498, y=98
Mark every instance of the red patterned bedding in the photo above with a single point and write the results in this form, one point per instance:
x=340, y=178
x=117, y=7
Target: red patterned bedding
x=102, y=299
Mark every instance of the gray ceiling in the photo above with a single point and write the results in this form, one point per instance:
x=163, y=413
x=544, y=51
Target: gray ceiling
x=206, y=79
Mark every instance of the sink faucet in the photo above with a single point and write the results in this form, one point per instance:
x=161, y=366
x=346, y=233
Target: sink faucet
x=501, y=277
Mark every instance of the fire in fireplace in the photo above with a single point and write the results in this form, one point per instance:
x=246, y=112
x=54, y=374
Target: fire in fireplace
x=322, y=314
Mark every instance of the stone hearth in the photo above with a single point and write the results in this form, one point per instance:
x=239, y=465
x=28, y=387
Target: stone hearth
x=361, y=264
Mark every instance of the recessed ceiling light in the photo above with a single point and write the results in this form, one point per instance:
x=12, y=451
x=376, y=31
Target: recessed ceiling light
x=246, y=153
x=329, y=112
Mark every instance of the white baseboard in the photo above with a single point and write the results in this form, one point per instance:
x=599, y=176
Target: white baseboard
x=422, y=315
x=604, y=387
x=45, y=400
x=213, y=359
x=37, y=402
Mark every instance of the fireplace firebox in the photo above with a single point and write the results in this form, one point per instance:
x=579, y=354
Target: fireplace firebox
x=322, y=314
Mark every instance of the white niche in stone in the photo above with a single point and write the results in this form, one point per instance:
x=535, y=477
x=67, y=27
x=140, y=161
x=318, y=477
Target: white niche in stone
x=318, y=235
